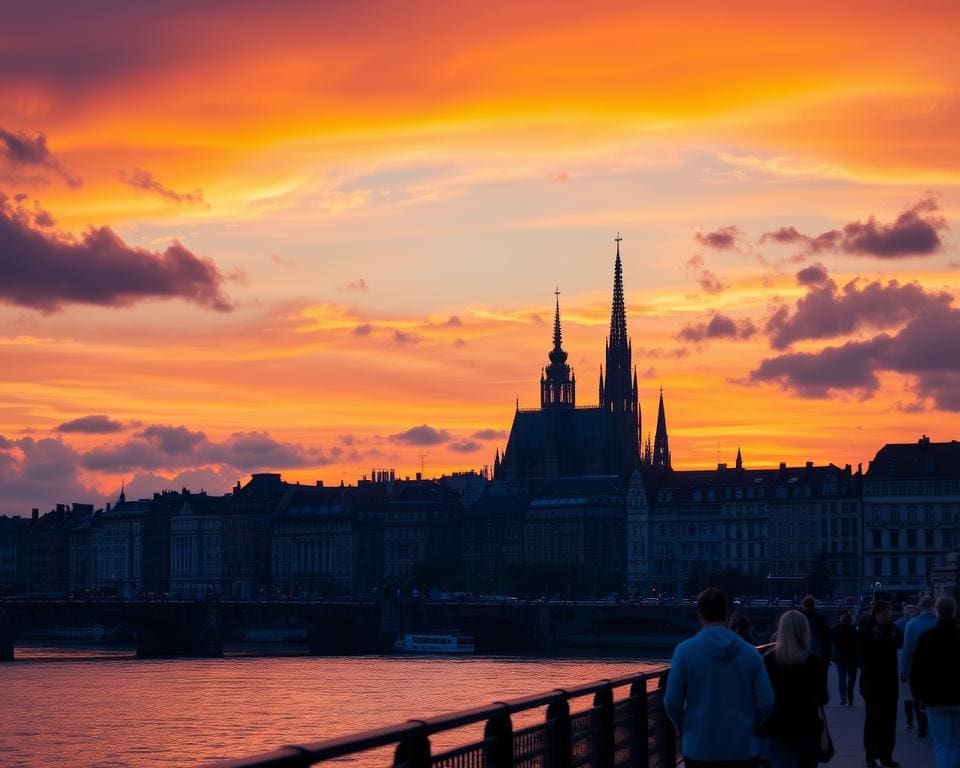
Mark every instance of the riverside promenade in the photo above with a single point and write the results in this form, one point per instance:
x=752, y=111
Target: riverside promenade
x=846, y=727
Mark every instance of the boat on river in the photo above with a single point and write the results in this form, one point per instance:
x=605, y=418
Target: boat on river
x=446, y=642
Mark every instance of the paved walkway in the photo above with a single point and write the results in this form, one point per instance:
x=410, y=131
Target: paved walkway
x=846, y=727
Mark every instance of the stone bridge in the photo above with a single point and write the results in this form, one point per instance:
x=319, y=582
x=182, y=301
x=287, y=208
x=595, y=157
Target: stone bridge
x=197, y=628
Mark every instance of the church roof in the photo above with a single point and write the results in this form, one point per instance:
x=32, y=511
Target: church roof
x=560, y=442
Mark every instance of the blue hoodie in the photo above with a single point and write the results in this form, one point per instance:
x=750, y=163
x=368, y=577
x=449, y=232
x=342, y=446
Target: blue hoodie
x=718, y=694
x=917, y=626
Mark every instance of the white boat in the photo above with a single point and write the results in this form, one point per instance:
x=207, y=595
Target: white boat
x=448, y=642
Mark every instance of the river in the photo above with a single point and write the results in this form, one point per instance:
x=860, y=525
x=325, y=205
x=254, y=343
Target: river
x=86, y=707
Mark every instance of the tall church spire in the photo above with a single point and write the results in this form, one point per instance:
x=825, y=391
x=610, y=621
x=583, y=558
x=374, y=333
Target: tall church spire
x=618, y=395
x=661, y=445
x=739, y=458
x=618, y=313
x=557, y=388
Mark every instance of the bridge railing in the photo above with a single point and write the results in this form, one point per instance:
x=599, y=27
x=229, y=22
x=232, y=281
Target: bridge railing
x=609, y=723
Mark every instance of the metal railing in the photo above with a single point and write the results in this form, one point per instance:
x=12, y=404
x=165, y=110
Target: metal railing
x=622, y=725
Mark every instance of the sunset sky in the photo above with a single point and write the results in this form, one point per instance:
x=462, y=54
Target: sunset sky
x=320, y=238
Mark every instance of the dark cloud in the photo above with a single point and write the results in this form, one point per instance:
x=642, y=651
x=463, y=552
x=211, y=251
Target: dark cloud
x=650, y=373
x=459, y=343
x=141, y=179
x=815, y=274
x=364, y=329
x=722, y=239
x=21, y=151
x=164, y=447
x=465, y=446
x=915, y=232
x=422, y=435
x=823, y=243
x=919, y=349
x=489, y=434
x=707, y=280
x=39, y=473
x=453, y=322
x=173, y=440
x=355, y=285
x=406, y=338
x=826, y=312
x=719, y=326
x=46, y=269
x=97, y=424
x=814, y=374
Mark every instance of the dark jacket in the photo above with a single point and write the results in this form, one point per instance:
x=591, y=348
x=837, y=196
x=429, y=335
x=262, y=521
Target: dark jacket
x=880, y=675
x=798, y=693
x=935, y=669
x=819, y=634
x=846, y=645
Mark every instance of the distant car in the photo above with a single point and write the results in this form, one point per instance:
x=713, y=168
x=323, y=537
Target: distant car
x=650, y=601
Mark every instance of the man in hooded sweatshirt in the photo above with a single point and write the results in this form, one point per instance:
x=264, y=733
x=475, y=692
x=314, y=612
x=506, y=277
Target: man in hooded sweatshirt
x=718, y=692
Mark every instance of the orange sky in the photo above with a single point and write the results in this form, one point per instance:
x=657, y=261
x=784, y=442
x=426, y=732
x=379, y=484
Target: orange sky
x=375, y=201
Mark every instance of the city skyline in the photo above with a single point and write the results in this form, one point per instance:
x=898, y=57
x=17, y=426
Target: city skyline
x=323, y=240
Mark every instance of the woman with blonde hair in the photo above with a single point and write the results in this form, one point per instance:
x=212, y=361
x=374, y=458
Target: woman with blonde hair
x=790, y=738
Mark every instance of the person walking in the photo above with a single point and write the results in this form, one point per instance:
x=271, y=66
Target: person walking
x=718, y=692
x=909, y=706
x=915, y=628
x=790, y=737
x=879, y=683
x=935, y=681
x=846, y=655
x=819, y=630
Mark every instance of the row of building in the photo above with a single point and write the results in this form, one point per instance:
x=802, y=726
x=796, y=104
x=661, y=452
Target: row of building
x=578, y=501
x=657, y=532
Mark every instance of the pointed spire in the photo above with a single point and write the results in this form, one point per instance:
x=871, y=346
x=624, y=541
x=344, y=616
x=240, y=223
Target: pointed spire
x=123, y=488
x=739, y=458
x=661, y=444
x=557, y=337
x=618, y=315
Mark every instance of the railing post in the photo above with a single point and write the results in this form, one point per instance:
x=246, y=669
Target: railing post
x=413, y=751
x=558, y=713
x=640, y=749
x=604, y=738
x=498, y=738
x=668, y=736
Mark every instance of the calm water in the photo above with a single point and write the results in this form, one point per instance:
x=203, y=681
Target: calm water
x=92, y=708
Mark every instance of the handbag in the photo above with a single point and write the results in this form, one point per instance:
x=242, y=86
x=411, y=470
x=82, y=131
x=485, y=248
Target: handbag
x=826, y=751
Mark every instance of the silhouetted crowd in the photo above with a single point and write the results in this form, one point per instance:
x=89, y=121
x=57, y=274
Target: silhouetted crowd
x=736, y=708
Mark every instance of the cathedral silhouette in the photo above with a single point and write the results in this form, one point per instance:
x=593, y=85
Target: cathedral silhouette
x=562, y=439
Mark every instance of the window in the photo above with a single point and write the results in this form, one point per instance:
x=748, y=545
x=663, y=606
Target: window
x=894, y=566
x=912, y=566
x=911, y=539
x=894, y=539
x=928, y=538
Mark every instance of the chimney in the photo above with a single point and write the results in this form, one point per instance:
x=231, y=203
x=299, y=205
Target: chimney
x=721, y=466
x=419, y=476
x=783, y=465
x=809, y=465
x=319, y=483
x=35, y=515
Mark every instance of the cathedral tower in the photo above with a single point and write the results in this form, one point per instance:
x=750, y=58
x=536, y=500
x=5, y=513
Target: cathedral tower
x=618, y=392
x=557, y=385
